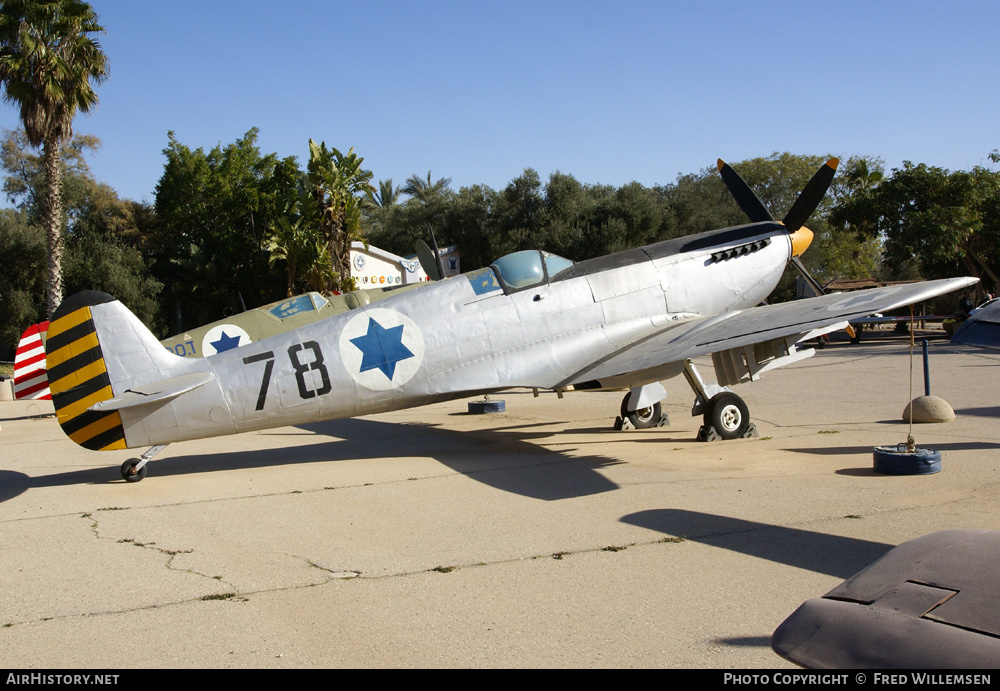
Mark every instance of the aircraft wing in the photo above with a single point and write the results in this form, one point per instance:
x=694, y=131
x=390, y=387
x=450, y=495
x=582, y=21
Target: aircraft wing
x=740, y=328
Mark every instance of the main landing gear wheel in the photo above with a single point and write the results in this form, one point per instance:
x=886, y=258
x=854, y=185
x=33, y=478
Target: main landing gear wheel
x=728, y=414
x=129, y=472
x=644, y=417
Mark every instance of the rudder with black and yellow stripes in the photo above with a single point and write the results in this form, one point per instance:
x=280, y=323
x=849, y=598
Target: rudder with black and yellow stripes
x=78, y=376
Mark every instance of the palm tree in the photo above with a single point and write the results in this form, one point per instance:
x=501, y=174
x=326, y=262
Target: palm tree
x=387, y=195
x=49, y=65
x=296, y=239
x=339, y=185
x=425, y=191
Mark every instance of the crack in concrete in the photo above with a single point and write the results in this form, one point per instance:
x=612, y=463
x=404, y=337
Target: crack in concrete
x=341, y=575
x=171, y=554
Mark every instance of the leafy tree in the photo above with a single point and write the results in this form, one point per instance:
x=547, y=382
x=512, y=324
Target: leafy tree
x=698, y=202
x=567, y=210
x=940, y=222
x=105, y=252
x=418, y=218
x=104, y=241
x=22, y=245
x=49, y=64
x=837, y=252
x=296, y=241
x=519, y=214
x=339, y=186
x=24, y=174
x=216, y=210
x=469, y=223
x=630, y=216
x=380, y=215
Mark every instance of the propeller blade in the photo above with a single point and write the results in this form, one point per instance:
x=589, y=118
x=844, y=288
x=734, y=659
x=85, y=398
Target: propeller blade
x=744, y=196
x=428, y=261
x=811, y=196
x=437, y=254
x=817, y=288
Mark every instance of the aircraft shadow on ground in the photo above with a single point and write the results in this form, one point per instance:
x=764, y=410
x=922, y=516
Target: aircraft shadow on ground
x=869, y=450
x=992, y=411
x=985, y=411
x=745, y=642
x=833, y=555
x=28, y=416
x=945, y=446
x=504, y=458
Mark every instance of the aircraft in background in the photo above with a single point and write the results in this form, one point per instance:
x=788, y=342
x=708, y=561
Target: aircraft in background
x=532, y=319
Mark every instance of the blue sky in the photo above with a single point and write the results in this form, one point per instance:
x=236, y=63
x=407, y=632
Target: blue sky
x=609, y=92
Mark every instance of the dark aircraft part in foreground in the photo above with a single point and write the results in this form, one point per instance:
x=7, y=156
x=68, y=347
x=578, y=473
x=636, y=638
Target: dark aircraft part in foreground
x=929, y=603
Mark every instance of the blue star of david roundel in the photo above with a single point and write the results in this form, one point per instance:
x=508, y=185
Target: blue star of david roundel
x=222, y=338
x=382, y=349
x=858, y=301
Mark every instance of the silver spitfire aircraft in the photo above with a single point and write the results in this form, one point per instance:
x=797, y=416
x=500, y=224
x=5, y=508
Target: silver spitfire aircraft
x=532, y=319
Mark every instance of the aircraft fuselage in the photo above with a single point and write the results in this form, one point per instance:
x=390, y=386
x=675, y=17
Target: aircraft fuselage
x=463, y=336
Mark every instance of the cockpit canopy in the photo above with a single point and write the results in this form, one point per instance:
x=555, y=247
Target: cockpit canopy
x=528, y=268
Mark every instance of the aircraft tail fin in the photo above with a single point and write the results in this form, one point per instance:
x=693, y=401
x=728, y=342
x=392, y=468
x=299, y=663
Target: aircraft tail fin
x=94, y=342
x=30, y=378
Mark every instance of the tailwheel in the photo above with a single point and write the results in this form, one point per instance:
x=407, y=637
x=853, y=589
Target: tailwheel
x=644, y=417
x=129, y=471
x=728, y=414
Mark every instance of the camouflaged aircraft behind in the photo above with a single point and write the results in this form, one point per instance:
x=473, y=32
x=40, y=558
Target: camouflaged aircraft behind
x=252, y=325
x=531, y=319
